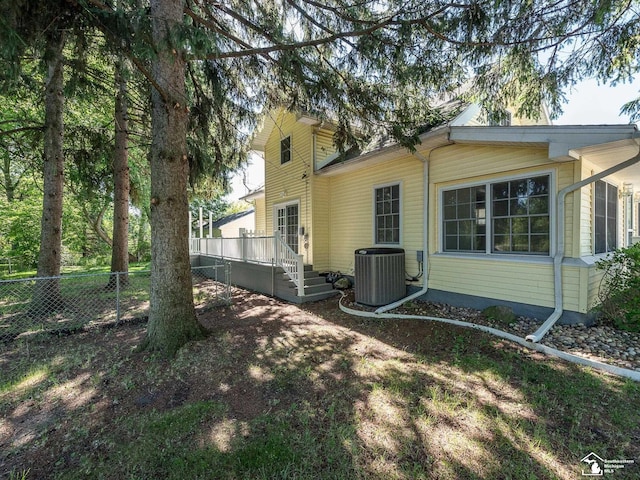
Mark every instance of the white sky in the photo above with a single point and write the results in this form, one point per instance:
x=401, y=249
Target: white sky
x=593, y=104
x=588, y=104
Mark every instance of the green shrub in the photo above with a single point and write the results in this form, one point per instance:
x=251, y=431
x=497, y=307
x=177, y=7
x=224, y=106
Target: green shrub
x=619, y=294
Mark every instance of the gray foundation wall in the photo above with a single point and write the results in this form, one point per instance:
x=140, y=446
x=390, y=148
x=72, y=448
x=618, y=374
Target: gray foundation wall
x=521, y=309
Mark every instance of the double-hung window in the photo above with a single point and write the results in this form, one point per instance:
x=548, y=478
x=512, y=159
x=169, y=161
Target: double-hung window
x=605, y=228
x=511, y=216
x=387, y=214
x=285, y=150
x=465, y=220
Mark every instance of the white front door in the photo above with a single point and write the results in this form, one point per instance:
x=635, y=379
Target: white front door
x=287, y=223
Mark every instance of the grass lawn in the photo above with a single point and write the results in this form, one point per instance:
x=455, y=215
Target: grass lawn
x=279, y=391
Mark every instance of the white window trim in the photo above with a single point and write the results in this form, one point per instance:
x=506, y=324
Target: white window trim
x=619, y=221
x=401, y=214
x=489, y=217
x=290, y=150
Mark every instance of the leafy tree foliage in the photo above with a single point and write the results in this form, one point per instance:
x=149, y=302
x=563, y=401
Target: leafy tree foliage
x=619, y=297
x=216, y=68
x=368, y=66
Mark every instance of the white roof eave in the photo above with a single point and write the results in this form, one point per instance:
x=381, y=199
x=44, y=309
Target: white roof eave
x=562, y=141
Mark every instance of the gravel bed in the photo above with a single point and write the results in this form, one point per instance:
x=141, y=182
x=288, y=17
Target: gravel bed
x=601, y=343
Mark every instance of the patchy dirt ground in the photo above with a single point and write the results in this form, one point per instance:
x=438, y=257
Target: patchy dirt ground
x=262, y=357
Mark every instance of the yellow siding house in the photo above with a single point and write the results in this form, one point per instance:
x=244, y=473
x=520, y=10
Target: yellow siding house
x=515, y=215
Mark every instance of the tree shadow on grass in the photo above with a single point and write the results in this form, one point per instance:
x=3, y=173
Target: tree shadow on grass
x=278, y=392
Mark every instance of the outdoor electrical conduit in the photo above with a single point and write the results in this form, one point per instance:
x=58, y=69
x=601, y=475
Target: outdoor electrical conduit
x=559, y=254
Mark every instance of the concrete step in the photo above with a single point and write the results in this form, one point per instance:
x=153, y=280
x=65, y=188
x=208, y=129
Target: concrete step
x=324, y=287
x=307, y=274
x=315, y=297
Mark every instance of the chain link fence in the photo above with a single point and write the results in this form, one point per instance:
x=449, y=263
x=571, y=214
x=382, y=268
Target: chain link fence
x=69, y=303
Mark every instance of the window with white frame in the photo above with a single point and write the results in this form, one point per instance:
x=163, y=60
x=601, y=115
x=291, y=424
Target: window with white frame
x=285, y=150
x=387, y=214
x=514, y=216
x=605, y=224
x=465, y=219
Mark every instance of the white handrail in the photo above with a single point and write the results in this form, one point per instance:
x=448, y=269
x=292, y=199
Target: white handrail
x=257, y=249
x=291, y=262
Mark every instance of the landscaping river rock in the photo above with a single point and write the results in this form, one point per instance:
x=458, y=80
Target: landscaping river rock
x=600, y=343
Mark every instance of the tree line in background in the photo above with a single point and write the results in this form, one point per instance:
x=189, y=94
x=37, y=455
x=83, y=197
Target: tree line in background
x=101, y=95
x=105, y=215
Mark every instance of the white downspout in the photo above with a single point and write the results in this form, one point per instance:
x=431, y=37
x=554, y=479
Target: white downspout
x=559, y=254
x=425, y=240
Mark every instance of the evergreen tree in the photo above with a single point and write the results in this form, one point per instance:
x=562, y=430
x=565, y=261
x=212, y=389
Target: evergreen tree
x=368, y=66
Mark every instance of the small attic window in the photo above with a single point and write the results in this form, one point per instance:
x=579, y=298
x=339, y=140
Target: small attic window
x=504, y=121
x=285, y=150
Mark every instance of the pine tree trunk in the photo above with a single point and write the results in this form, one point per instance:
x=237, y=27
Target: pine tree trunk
x=47, y=295
x=172, y=317
x=120, y=245
x=9, y=184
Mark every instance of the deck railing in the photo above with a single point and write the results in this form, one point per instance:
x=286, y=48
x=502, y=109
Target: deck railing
x=255, y=249
x=290, y=261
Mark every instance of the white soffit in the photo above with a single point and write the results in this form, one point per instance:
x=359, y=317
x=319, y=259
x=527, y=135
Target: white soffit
x=561, y=140
x=263, y=132
x=608, y=155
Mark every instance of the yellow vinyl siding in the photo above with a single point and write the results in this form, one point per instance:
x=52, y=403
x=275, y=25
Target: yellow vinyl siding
x=260, y=218
x=595, y=280
x=457, y=162
x=324, y=146
x=321, y=227
x=566, y=176
x=295, y=182
x=352, y=210
x=285, y=183
x=500, y=279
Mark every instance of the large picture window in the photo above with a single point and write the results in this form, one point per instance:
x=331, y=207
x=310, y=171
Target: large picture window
x=605, y=228
x=285, y=150
x=387, y=214
x=515, y=217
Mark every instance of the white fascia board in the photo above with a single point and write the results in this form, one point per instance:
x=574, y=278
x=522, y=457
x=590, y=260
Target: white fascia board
x=561, y=140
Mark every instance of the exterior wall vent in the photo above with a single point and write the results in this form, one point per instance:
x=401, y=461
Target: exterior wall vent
x=379, y=276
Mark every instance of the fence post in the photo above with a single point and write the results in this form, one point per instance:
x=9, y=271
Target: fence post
x=244, y=246
x=117, y=297
x=276, y=237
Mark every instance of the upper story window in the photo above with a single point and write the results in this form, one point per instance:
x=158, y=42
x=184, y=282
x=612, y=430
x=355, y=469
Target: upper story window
x=515, y=218
x=285, y=150
x=605, y=225
x=387, y=214
x=503, y=121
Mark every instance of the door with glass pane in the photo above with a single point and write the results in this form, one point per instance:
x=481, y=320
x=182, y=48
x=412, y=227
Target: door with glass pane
x=287, y=224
